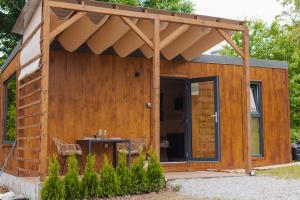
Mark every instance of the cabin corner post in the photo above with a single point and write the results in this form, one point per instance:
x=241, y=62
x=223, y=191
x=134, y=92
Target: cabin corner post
x=155, y=89
x=45, y=89
x=246, y=103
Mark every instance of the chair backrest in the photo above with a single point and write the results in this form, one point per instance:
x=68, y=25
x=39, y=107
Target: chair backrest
x=59, y=145
x=138, y=143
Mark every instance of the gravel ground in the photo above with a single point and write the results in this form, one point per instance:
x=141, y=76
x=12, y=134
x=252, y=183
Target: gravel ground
x=246, y=188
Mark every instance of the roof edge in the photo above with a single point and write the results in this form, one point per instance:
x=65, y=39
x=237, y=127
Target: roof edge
x=11, y=56
x=230, y=60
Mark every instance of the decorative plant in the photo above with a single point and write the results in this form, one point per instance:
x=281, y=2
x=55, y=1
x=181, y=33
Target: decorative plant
x=154, y=174
x=71, y=180
x=124, y=175
x=138, y=175
x=109, y=181
x=89, y=182
x=53, y=188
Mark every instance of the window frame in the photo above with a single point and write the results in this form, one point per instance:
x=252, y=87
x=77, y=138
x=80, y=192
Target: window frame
x=258, y=115
x=5, y=108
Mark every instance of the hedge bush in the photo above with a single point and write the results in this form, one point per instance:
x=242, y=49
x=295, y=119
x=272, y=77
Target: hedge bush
x=71, y=180
x=109, y=185
x=138, y=176
x=53, y=188
x=124, y=175
x=145, y=175
x=155, y=176
x=89, y=182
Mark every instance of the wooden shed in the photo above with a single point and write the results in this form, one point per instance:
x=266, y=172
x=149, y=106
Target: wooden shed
x=140, y=73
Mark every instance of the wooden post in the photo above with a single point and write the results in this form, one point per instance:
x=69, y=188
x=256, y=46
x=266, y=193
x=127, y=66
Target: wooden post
x=44, y=94
x=155, y=89
x=246, y=104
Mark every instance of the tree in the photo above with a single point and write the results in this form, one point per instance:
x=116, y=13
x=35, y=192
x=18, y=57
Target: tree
x=185, y=6
x=53, y=188
x=71, y=180
x=9, y=12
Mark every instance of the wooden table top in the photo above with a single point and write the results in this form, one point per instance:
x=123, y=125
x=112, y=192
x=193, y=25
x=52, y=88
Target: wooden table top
x=93, y=139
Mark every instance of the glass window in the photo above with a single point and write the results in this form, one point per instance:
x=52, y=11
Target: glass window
x=256, y=119
x=10, y=110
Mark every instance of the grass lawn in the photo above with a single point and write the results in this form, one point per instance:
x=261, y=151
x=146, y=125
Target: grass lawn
x=291, y=172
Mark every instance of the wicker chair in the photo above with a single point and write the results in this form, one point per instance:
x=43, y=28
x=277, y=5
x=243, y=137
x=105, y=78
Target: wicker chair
x=64, y=150
x=137, y=145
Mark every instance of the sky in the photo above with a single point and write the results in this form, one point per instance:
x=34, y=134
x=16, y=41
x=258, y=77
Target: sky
x=239, y=9
x=266, y=10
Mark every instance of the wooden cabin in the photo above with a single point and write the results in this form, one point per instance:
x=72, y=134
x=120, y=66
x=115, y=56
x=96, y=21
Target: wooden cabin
x=140, y=73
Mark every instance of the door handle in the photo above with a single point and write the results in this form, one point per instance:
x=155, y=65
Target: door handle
x=215, y=116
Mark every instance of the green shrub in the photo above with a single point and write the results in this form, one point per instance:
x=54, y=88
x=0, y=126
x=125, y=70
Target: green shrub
x=154, y=174
x=71, y=180
x=53, y=188
x=295, y=135
x=138, y=176
x=89, y=182
x=124, y=175
x=109, y=183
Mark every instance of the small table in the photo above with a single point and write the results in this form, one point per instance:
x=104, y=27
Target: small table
x=114, y=141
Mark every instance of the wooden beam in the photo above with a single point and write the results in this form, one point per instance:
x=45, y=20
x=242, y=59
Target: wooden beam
x=173, y=36
x=246, y=104
x=101, y=10
x=127, y=13
x=66, y=24
x=203, y=23
x=155, y=90
x=138, y=31
x=44, y=93
x=231, y=42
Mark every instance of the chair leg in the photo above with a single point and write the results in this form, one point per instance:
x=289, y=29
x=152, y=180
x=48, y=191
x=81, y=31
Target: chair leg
x=64, y=165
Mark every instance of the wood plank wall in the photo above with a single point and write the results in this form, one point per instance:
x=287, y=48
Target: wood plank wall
x=89, y=92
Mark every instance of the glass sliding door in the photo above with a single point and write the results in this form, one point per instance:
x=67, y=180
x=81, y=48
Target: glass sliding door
x=204, y=119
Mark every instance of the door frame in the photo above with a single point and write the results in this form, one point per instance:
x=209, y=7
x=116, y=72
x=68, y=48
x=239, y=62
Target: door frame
x=188, y=117
x=186, y=114
x=215, y=79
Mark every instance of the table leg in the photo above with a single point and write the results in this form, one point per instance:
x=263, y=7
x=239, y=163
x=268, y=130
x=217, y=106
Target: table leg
x=115, y=154
x=90, y=147
x=129, y=154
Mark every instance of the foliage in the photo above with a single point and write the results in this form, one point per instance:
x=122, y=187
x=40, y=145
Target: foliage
x=71, y=180
x=53, y=188
x=109, y=181
x=9, y=12
x=126, y=2
x=138, y=175
x=144, y=176
x=154, y=174
x=185, y=6
x=89, y=182
x=295, y=135
x=10, y=124
x=124, y=175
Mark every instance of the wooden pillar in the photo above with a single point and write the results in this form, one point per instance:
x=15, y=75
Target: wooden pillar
x=155, y=90
x=44, y=94
x=246, y=103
